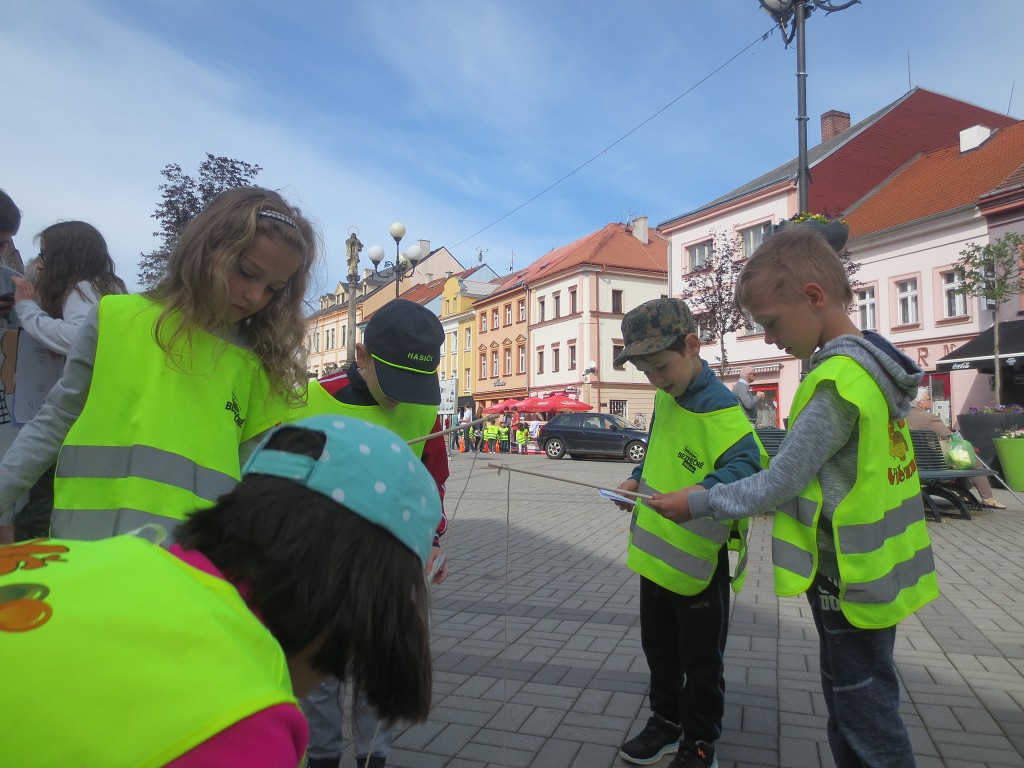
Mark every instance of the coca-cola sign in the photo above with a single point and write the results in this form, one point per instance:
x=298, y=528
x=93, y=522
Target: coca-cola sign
x=960, y=366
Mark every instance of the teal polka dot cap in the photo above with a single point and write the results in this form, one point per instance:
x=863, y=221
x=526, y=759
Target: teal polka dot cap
x=367, y=469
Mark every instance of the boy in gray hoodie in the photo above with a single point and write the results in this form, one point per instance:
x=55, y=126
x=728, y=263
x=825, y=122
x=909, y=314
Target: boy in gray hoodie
x=849, y=525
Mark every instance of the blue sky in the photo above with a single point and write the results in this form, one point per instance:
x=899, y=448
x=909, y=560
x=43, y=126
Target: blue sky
x=450, y=114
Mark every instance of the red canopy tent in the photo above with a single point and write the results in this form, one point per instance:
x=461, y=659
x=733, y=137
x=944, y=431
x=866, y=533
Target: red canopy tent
x=499, y=407
x=553, y=403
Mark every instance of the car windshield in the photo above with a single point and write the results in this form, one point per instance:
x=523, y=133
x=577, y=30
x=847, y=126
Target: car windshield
x=620, y=422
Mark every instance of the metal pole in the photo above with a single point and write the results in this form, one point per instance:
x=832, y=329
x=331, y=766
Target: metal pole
x=398, y=272
x=803, y=173
x=354, y=247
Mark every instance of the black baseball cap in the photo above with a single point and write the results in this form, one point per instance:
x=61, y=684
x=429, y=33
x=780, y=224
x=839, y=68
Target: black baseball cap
x=404, y=340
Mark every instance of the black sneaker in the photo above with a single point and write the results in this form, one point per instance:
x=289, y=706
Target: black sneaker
x=695, y=754
x=658, y=738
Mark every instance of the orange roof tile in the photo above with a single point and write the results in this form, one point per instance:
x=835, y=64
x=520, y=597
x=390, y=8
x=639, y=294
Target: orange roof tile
x=610, y=246
x=939, y=181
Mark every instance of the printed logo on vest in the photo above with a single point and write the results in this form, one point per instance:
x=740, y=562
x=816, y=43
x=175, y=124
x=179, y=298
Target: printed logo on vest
x=898, y=450
x=232, y=405
x=689, y=459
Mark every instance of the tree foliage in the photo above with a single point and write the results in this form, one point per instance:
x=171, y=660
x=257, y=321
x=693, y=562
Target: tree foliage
x=993, y=272
x=709, y=289
x=182, y=198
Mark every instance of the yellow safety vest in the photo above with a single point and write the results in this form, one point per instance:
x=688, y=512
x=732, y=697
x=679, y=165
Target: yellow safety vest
x=407, y=420
x=886, y=567
x=159, y=435
x=683, y=449
x=118, y=653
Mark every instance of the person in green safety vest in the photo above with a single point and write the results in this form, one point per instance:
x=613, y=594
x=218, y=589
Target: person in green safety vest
x=195, y=655
x=503, y=435
x=699, y=434
x=161, y=389
x=522, y=436
x=491, y=436
x=849, y=530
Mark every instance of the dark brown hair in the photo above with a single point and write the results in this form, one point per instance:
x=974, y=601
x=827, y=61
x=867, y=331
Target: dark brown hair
x=73, y=252
x=319, y=572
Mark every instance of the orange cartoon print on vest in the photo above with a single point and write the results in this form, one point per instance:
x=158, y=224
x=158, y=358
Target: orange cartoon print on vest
x=897, y=443
x=29, y=555
x=22, y=607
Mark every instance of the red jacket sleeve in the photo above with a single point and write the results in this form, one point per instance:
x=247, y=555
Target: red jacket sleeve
x=435, y=458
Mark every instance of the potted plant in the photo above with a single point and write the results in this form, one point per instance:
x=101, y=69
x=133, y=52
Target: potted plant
x=982, y=425
x=833, y=228
x=1010, y=449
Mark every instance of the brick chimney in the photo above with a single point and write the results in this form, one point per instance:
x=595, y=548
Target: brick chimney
x=833, y=123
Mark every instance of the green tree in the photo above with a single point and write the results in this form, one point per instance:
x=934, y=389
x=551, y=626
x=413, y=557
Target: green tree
x=993, y=272
x=182, y=197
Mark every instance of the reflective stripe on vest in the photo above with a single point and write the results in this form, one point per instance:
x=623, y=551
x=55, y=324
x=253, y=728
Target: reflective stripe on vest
x=159, y=434
x=152, y=655
x=886, y=566
x=683, y=450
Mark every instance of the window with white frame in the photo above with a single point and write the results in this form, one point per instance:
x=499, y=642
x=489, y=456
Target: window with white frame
x=616, y=351
x=572, y=301
x=483, y=365
x=558, y=305
x=469, y=382
x=954, y=303
x=572, y=357
x=753, y=237
x=494, y=364
x=469, y=336
x=494, y=318
x=508, y=361
x=455, y=341
x=540, y=361
x=522, y=358
x=698, y=256
x=906, y=301
x=749, y=326
x=483, y=322
x=555, y=357
x=508, y=314
x=540, y=309
x=867, y=319
x=522, y=310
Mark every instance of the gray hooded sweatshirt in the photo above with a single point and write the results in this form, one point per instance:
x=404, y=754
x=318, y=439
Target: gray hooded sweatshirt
x=821, y=443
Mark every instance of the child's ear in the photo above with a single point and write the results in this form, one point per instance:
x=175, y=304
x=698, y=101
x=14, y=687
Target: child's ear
x=692, y=342
x=361, y=357
x=816, y=295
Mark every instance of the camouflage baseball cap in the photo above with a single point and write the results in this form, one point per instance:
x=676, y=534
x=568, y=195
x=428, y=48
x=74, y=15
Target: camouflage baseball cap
x=653, y=327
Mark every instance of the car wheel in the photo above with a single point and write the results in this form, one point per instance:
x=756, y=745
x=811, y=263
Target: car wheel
x=554, y=448
x=636, y=451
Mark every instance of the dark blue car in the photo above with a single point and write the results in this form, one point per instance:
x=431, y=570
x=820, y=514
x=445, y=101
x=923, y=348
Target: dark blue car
x=592, y=434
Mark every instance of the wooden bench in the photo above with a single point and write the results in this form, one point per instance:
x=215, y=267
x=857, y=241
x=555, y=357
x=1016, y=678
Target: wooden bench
x=937, y=479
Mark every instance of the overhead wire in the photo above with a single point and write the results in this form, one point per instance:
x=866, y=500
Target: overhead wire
x=634, y=129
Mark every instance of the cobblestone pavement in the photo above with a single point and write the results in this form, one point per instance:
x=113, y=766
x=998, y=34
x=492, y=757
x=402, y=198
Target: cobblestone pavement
x=537, y=658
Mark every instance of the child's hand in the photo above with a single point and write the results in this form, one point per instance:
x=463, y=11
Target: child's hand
x=674, y=506
x=441, y=572
x=23, y=289
x=626, y=485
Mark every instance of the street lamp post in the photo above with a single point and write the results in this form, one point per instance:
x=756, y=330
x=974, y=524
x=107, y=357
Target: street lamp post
x=790, y=16
x=353, y=247
x=404, y=264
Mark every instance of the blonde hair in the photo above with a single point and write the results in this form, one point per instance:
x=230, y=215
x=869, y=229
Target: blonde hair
x=786, y=261
x=195, y=288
